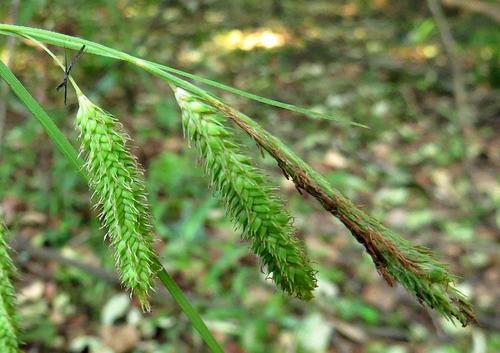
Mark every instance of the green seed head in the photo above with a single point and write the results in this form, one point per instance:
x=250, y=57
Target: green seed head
x=248, y=198
x=118, y=189
x=427, y=279
x=8, y=322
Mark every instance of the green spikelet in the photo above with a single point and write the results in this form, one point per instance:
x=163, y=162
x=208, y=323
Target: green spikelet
x=8, y=325
x=414, y=267
x=427, y=279
x=248, y=199
x=117, y=185
x=396, y=259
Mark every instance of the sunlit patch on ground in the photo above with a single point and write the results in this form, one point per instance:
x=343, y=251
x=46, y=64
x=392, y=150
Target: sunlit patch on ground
x=261, y=38
x=419, y=53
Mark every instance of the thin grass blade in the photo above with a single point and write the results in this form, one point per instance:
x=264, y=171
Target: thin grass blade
x=76, y=43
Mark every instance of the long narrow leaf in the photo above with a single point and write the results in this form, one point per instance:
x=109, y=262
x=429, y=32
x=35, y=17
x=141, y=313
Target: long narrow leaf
x=50, y=127
x=71, y=42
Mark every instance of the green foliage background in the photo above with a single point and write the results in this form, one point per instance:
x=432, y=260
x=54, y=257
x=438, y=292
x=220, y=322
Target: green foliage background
x=419, y=168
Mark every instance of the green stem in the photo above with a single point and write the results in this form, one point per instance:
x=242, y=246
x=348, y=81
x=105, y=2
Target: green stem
x=187, y=308
x=70, y=153
x=50, y=127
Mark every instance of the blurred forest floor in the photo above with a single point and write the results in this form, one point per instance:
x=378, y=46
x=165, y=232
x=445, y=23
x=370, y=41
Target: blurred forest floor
x=428, y=166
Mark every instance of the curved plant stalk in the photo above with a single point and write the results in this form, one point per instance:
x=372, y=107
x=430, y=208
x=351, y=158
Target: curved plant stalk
x=247, y=197
x=396, y=259
x=8, y=322
x=70, y=153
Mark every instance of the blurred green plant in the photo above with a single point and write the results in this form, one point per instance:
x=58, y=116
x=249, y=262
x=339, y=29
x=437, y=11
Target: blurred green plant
x=8, y=320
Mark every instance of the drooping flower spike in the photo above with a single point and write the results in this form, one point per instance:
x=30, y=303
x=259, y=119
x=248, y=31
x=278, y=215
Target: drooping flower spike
x=117, y=183
x=247, y=197
x=398, y=260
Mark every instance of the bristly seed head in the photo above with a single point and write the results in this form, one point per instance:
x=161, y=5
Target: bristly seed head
x=8, y=322
x=117, y=184
x=247, y=197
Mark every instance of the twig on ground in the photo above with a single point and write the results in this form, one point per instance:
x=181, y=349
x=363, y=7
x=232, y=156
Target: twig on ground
x=21, y=245
x=457, y=73
x=485, y=8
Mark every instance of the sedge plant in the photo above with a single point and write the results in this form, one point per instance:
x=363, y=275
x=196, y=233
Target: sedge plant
x=248, y=196
x=8, y=320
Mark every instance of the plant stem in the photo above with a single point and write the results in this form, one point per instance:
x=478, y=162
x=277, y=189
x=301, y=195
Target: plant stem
x=187, y=308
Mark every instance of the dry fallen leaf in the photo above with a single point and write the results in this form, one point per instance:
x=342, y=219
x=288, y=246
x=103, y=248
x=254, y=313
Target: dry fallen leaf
x=121, y=338
x=334, y=160
x=379, y=295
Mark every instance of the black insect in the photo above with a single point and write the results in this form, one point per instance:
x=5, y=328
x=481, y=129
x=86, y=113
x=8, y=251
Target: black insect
x=67, y=71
